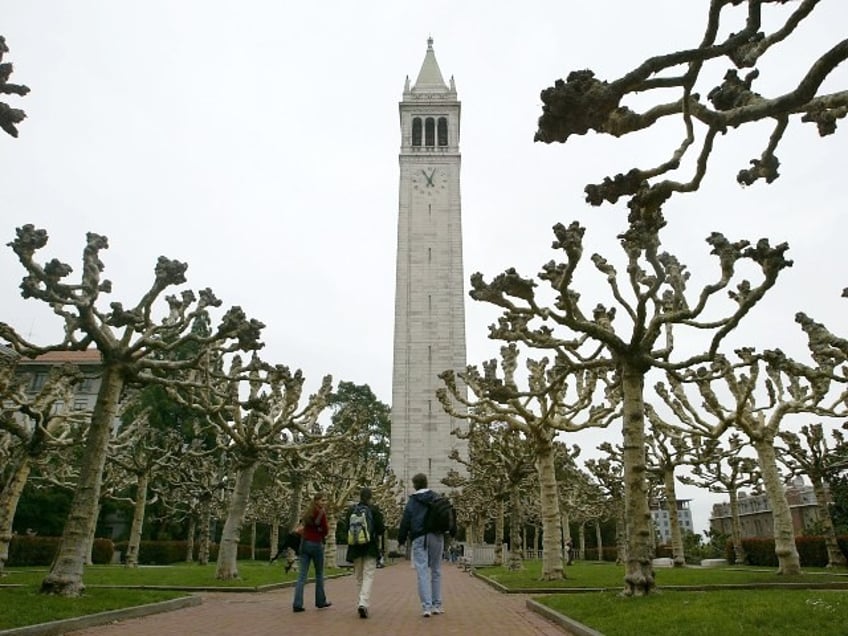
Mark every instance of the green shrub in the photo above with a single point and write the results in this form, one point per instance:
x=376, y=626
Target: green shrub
x=27, y=550
x=608, y=554
x=167, y=552
x=811, y=550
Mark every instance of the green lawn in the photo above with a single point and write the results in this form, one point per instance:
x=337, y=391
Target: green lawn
x=747, y=612
x=25, y=606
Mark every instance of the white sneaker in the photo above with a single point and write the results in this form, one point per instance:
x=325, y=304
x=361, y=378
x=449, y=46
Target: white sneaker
x=438, y=610
x=425, y=614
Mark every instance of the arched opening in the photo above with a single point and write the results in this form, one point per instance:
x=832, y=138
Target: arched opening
x=429, y=132
x=416, y=131
x=443, y=131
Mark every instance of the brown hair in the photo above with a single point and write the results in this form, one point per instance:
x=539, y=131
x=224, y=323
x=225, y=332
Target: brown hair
x=312, y=512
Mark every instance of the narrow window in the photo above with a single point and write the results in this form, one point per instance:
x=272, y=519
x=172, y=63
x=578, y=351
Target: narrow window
x=429, y=132
x=443, y=131
x=416, y=131
x=429, y=254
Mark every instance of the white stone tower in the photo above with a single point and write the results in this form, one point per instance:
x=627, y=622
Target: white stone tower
x=429, y=297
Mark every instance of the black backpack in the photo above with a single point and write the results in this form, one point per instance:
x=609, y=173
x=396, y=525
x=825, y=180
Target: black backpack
x=440, y=517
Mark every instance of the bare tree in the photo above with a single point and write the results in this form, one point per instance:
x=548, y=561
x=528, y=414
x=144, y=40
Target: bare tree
x=133, y=347
x=809, y=454
x=9, y=116
x=547, y=407
x=583, y=102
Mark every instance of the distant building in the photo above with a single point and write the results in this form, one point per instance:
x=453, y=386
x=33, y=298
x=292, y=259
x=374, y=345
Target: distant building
x=662, y=520
x=755, y=515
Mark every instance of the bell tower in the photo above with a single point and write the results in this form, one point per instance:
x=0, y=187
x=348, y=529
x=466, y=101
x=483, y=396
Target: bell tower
x=429, y=299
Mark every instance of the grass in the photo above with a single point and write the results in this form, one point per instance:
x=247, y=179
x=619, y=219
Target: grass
x=748, y=612
x=25, y=606
x=589, y=574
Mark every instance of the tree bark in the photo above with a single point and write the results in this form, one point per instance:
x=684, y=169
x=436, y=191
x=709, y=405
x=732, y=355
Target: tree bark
x=192, y=529
x=227, y=567
x=736, y=527
x=599, y=540
x=639, y=577
x=677, y=551
x=65, y=576
x=499, y=532
x=516, y=548
x=835, y=558
x=203, y=536
x=275, y=537
x=552, y=565
x=788, y=560
x=138, y=520
x=9, y=498
x=330, y=546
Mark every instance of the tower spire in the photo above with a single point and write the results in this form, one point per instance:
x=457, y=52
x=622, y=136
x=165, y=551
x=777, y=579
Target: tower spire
x=430, y=78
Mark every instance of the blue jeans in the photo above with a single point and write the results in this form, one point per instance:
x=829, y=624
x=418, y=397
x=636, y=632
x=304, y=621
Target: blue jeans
x=427, y=558
x=314, y=552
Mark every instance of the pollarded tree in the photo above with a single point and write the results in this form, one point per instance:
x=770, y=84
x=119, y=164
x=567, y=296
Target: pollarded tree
x=9, y=117
x=583, y=102
x=810, y=454
x=256, y=407
x=659, y=309
x=134, y=347
x=31, y=425
x=608, y=473
x=547, y=407
x=721, y=469
x=757, y=409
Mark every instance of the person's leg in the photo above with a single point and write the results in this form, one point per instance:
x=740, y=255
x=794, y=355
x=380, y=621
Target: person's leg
x=435, y=546
x=369, y=566
x=303, y=565
x=419, y=559
x=320, y=596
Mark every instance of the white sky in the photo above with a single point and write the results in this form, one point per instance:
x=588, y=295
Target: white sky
x=258, y=142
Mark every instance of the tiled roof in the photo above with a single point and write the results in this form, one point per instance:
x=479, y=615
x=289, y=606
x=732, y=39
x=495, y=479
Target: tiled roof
x=89, y=356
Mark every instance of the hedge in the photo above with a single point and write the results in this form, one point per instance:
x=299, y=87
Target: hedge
x=811, y=550
x=27, y=550
x=167, y=552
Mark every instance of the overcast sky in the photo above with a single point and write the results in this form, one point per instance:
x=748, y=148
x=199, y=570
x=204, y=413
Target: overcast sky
x=258, y=142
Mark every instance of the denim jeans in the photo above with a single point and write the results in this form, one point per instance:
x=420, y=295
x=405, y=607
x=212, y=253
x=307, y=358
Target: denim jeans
x=427, y=558
x=314, y=552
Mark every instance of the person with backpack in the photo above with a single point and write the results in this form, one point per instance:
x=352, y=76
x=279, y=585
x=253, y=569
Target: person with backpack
x=365, y=527
x=427, y=517
x=315, y=529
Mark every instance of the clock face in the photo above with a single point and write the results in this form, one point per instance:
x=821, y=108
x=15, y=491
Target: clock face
x=429, y=181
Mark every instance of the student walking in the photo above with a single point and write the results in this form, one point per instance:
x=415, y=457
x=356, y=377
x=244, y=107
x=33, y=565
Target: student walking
x=365, y=531
x=426, y=547
x=315, y=529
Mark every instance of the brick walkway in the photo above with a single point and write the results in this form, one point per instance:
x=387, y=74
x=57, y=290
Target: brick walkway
x=471, y=607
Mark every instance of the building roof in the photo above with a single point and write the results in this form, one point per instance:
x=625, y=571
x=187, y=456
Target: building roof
x=430, y=78
x=89, y=356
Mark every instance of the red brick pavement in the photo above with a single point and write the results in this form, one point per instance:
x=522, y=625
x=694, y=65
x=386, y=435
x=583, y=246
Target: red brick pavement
x=471, y=607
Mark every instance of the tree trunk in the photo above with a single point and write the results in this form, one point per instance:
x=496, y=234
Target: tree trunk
x=516, y=548
x=89, y=552
x=736, y=528
x=499, y=532
x=599, y=539
x=552, y=566
x=227, y=567
x=677, y=551
x=835, y=558
x=581, y=541
x=275, y=537
x=138, y=520
x=639, y=577
x=788, y=561
x=203, y=536
x=567, y=541
x=253, y=540
x=330, y=546
x=192, y=528
x=9, y=498
x=65, y=576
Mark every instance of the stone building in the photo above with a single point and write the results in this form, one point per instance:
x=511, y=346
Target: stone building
x=755, y=516
x=429, y=334
x=662, y=520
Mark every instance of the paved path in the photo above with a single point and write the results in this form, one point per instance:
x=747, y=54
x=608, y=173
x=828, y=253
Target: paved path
x=471, y=607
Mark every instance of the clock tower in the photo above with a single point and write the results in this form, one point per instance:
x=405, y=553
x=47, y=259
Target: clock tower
x=429, y=298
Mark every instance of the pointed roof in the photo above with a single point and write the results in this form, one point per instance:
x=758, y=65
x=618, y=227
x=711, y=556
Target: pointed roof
x=430, y=78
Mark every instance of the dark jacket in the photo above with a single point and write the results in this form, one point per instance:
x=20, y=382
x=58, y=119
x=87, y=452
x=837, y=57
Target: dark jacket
x=412, y=523
x=371, y=548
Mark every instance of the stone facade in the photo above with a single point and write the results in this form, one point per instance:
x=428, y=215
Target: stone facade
x=429, y=300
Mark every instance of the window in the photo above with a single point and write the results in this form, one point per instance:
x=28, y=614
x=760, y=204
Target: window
x=429, y=132
x=38, y=380
x=416, y=131
x=443, y=131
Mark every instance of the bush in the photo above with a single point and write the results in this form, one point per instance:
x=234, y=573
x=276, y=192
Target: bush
x=27, y=550
x=608, y=554
x=811, y=550
x=167, y=552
